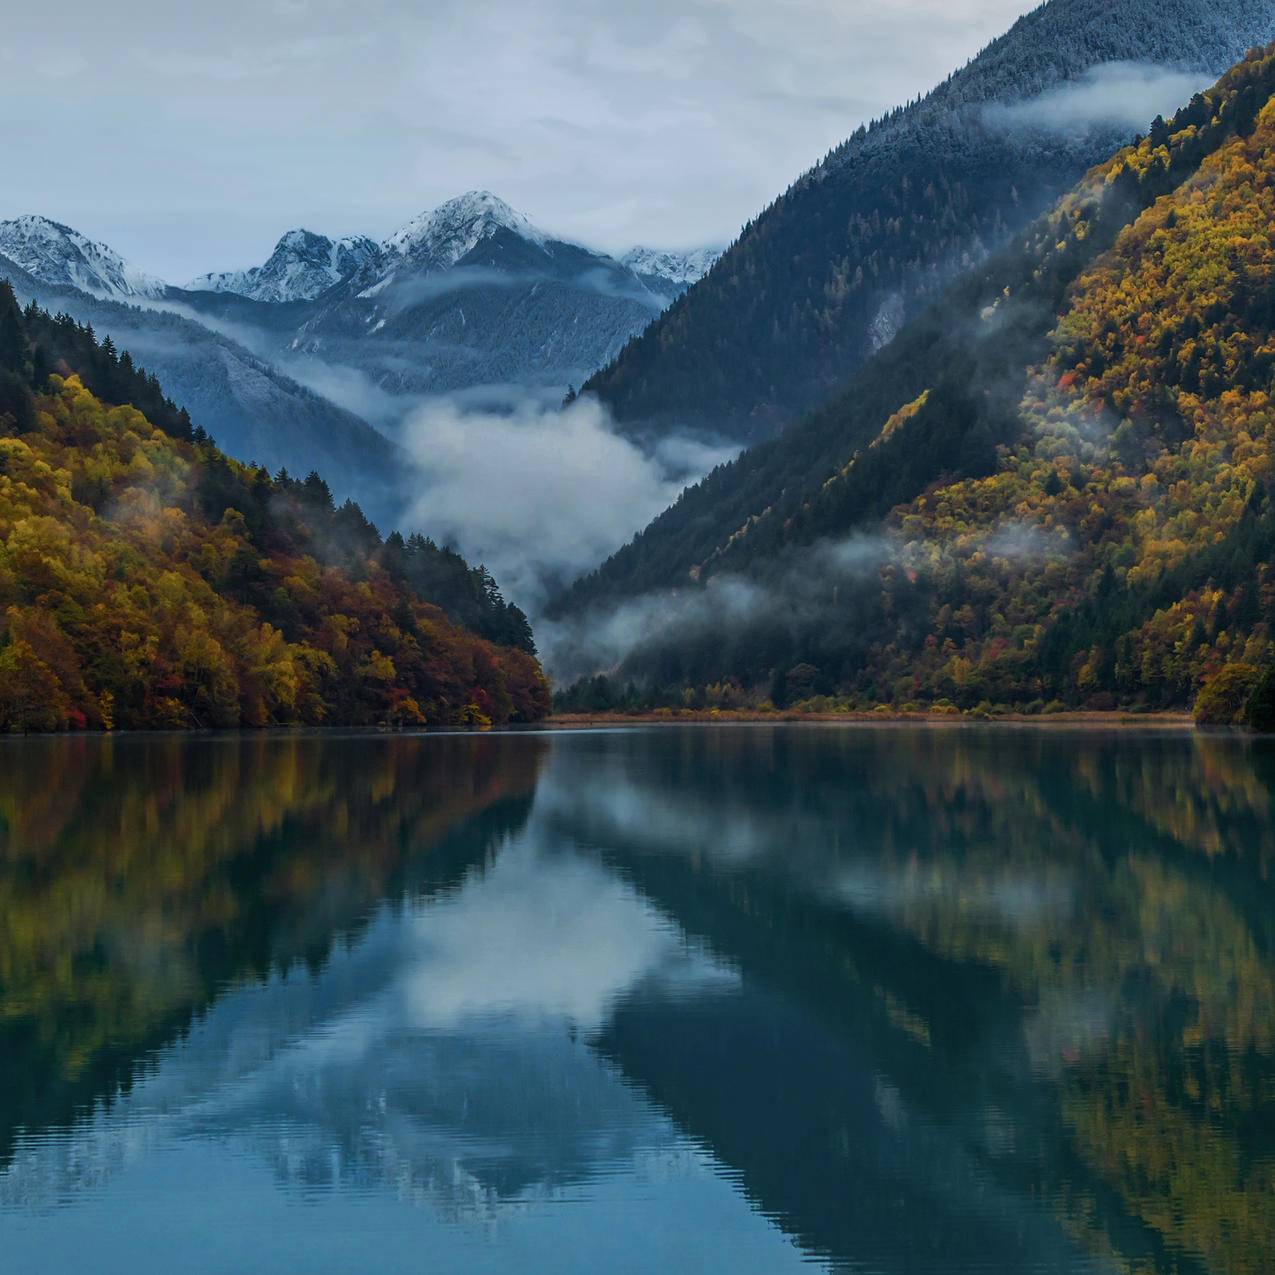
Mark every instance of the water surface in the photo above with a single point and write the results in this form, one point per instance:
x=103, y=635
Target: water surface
x=739, y=999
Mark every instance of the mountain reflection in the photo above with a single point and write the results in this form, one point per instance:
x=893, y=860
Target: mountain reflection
x=1045, y=959
x=141, y=878
x=929, y=1000
x=393, y=1065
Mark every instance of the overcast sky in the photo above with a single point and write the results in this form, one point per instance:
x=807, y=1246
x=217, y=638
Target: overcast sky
x=189, y=136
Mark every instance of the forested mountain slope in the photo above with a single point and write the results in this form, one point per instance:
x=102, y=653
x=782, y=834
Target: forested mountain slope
x=830, y=272
x=1054, y=485
x=147, y=580
x=255, y=412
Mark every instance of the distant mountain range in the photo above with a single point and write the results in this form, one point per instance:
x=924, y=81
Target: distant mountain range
x=302, y=266
x=468, y=295
x=862, y=242
x=474, y=294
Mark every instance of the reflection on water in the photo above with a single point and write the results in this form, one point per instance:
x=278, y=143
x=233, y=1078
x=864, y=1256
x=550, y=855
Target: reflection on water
x=671, y=1000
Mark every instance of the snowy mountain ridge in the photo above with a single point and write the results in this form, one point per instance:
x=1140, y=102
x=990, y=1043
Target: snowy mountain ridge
x=56, y=254
x=680, y=268
x=438, y=239
x=302, y=266
x=469, y=294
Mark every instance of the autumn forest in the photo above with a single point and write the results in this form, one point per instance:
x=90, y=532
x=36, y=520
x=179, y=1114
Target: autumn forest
x=147, y=581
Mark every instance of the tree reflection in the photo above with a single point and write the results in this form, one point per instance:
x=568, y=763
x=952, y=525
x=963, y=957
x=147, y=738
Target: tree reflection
x=140, y=878
x=1053, y=950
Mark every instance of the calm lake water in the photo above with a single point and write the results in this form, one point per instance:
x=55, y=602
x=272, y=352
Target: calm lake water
x=675, y=1000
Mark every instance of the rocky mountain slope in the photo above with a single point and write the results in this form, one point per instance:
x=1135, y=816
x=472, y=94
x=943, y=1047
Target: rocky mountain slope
x=474, y=294
x=56, y=254
x=467, y=295
x=302, y=266
x=669, y=274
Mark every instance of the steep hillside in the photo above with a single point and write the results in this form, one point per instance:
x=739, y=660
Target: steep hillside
x=1055, y=485
x=146, y=580
x=255, y=412
x=830, y=272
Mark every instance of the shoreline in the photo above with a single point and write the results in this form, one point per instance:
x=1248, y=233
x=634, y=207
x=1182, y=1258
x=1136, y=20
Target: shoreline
x=709, y=717
x=1078, y=720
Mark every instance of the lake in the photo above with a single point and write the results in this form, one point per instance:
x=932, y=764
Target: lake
x=737, y=999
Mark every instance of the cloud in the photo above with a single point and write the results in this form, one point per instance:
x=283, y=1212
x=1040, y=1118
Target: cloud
x=538, y=494
x=251, y=338
x=803, y=588
x=404, y=294
x=349, y=388
x=1127, y=95
x=603, y=638
x=667, y=123
x=62, y=65
x=608, y=283
x=1027, y=543
x=540, y=937
x=806, y=582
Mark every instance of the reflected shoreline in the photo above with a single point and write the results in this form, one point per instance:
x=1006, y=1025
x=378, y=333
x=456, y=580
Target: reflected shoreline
x=1151, y=722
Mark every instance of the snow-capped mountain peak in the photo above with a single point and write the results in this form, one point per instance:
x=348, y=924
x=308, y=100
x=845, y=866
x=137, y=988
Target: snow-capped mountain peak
x=680, y=268
x=302, y=266
x=56, y=254
x=440, y=238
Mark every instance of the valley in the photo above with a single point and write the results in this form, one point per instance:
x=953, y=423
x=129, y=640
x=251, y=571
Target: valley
x=717, y=725
x=987, y=484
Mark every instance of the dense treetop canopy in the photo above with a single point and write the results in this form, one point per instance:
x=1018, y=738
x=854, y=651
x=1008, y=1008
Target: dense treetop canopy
x=147, y=580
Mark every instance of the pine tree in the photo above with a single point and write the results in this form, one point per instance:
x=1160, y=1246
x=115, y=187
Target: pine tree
x=1261, y=705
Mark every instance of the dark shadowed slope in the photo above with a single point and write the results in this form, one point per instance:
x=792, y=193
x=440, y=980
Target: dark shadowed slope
x=831, y=271
x=1053, y=485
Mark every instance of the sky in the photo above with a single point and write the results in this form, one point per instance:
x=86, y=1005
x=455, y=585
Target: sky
x=190, y=136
